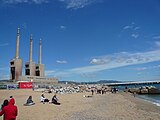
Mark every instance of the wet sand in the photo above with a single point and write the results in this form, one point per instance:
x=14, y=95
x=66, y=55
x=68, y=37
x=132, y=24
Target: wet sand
x=76, y=107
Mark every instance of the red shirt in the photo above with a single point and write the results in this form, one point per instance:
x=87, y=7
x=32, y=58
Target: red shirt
x=10, y=111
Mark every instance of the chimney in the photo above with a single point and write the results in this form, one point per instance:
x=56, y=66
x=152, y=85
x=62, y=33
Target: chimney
x=17, y=44
x=30, y=53
x=40, y=52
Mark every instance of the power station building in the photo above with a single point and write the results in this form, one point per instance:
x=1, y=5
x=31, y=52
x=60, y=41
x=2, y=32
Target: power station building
x=16, y=62
x=33, y=72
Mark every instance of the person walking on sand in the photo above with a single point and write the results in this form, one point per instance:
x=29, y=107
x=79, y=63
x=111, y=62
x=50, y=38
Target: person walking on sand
x=10, y=111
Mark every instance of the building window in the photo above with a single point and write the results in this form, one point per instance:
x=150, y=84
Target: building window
x=38, y=73
x=12, y=73
x=12, y=63
x=27, y=71
x=27, y=65
x=37, y=67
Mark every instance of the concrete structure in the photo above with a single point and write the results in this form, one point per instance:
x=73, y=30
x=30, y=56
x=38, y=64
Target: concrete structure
x=40, y=67
x=16, y=62
x=30, y=67
x=133, y=83
x=37, y=79
x=33, y=72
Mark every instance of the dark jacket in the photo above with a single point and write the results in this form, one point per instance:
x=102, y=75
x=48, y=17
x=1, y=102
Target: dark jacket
x=10, y=111
x=29, y=101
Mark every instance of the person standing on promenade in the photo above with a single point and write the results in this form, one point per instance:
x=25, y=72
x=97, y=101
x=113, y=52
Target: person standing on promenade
x=10, y=111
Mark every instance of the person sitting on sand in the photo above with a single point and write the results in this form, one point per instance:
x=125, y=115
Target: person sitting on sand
x=29, y=101
x=43, y=99
x=55, y=100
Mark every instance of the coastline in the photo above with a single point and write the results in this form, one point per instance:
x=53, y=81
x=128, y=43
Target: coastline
x=141, y=103
x=151, y=99
x=119, y=106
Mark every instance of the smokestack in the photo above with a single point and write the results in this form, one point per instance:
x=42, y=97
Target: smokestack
x=17, y=44
x=30, y=54
x=40, y=52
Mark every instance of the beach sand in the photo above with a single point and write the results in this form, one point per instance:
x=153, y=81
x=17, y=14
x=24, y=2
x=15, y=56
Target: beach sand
x=120, y=106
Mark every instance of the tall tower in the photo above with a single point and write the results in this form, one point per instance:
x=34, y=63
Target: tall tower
x=30, y=66
x=16, y=62
x=40, y=52
x=40, y=66
x=31, y=46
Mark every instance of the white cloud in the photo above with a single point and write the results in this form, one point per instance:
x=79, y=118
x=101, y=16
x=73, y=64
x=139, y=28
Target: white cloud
x=24, y=1
x=76, y=4
x=70, y=4
x=136, y=28
x=157, y=43
x=88, y=75
x=4, y=44
x=96, y=61
x=61, y=61
x=63, y=27
x=116, y=60
x=135, y=35
x=132, y=27
x=141, y=68
x=99, y=61
x=49, y=72
x=127, y=27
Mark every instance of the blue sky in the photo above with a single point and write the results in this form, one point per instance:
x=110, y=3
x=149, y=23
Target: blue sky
x=84, y=40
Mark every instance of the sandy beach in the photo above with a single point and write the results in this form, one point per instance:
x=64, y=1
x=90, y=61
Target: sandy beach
x=76, y=107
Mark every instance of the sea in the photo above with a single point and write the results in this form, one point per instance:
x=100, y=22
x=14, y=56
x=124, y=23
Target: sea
x=152, y=98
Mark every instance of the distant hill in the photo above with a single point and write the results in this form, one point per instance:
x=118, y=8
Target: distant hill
x=96, y=82
x=68, y=82
x=4, y=80
x=102, y=82
x=108, y=81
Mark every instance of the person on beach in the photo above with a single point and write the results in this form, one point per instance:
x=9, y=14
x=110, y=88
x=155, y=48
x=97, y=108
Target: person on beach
x=134, y=94
x=49, y=91
x=92, y=91
x=5, y=103
x=43, y=99
x=114, y=90
x=10, y=111
x=10, y=97
x=55, y=100
x=29, y=101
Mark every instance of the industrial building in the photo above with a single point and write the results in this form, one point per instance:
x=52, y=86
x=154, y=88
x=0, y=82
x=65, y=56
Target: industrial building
x=33, y=72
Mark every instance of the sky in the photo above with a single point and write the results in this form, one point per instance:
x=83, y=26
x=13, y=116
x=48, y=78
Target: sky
x=84, y=40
